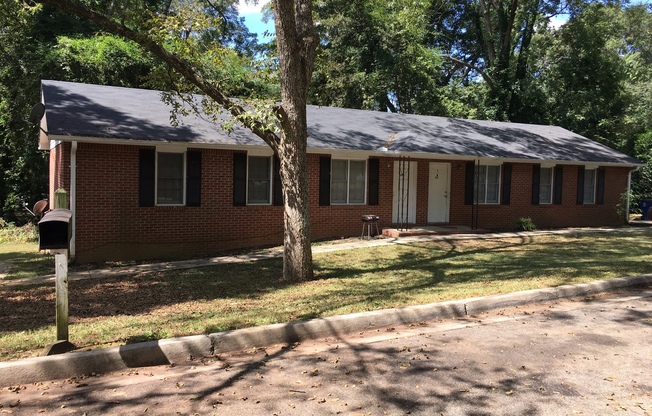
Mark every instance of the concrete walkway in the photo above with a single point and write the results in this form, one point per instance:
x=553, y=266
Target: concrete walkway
x=317, y=248
x=181, y=350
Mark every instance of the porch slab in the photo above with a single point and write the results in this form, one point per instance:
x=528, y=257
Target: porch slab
x=431, y=230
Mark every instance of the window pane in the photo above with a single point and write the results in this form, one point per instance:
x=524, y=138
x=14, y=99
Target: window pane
x=487, y=186
x=589, y=186
x=493, y=184
x=339, y=181
x=545, y=186
x=169, y=180
x=357, y=181
x=480, y=188
x=258, y=186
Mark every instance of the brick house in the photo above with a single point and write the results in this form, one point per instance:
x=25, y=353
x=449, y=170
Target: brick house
x=141, y=188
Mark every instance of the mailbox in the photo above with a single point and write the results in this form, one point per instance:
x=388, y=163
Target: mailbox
x=55, y=230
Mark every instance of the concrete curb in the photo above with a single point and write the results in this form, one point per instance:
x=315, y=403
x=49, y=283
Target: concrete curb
x=179, y=350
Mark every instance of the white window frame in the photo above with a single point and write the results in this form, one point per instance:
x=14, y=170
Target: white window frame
x=270, y=178
x=183, y=178
x=348, y=182
x=589, y=185
x=546, y=199
x=480, y=195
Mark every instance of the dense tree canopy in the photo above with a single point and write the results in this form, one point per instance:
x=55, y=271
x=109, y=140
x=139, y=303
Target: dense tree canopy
x=26, y=40
x=374, y=55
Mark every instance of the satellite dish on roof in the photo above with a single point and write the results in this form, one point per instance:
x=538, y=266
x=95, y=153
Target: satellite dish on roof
x=37, y=113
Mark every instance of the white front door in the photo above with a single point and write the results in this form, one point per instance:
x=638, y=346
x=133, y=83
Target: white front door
x=438, y=190
x=405, y=193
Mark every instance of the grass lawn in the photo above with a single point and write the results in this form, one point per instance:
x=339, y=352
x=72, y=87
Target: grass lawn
x=20, y=255
x=116, y=311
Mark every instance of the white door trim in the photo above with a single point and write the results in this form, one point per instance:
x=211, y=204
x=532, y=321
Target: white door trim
x=439, y=184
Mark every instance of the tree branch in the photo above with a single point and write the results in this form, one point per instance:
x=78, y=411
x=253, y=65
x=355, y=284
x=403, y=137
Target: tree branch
x=488, y=41
x=484, y=75
x=505, y=48
x=174, y=61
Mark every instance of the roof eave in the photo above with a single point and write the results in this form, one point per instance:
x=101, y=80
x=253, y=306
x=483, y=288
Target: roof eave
x=336, y=152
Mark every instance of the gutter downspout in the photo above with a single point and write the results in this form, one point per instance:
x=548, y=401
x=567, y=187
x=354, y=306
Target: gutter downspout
x=73, y=196
x=629, y=192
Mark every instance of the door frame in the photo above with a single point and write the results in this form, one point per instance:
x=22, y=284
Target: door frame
x=444, y=203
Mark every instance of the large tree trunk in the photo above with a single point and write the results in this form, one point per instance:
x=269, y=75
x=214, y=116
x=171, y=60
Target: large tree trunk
x=297, y=42
x=297, y=254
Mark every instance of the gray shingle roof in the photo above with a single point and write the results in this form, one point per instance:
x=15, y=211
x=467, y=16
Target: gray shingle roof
x=78, y=111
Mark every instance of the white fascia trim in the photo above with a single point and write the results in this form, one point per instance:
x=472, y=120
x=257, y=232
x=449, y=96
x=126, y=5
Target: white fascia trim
x=43, y=139
x=359, y=154
x=73, y=197
x=157, y=143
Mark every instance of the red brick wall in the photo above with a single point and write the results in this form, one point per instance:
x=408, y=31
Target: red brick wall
x=59, y=169
x=110, y=222
x=111, y=225
x=344, y=220
x=566, y=214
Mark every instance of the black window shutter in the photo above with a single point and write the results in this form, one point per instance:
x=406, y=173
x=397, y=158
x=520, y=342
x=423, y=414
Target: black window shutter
x=536, y=183
x=600, y=185
x=580, y=185
x=146, y=179
x=193, y=177
x=278, y=186
x=239, y=179
x=324, y=181
x=374, y=181
x=559, y=183
x=468, y=184
x=507, y=183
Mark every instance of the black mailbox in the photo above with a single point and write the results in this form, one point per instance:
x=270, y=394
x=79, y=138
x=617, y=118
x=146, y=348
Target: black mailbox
x=55, y=230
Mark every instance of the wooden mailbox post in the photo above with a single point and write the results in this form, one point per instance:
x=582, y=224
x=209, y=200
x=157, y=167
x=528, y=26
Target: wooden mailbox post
x=54, y=235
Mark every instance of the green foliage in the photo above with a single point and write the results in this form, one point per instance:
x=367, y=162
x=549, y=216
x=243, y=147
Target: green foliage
x=23, y=169
x=588, y=75
x=10, y=233
x=525, y=224
x=374, y=55
x=103, y=59
x=191, y=34
x=621, y=206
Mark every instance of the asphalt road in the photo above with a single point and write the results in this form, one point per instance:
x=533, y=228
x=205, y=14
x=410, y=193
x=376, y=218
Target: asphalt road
x=573, y=357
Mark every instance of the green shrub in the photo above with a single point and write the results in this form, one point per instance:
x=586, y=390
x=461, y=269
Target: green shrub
x=525, y=224
x=10, y=233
